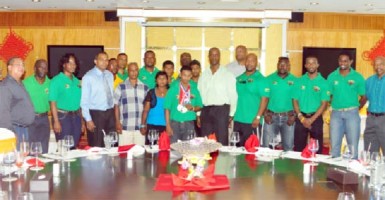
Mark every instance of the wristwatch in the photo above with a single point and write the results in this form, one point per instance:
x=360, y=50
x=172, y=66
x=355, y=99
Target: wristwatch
x=258, y=117
x=142, y=126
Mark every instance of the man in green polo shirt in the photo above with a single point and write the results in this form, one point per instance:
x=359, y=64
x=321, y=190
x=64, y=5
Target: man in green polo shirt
x=37, y=86
x=347, y=88
x=310, y=98
x=64, y=96
x=148, y=72
x=122, y=74
x=181, y=104
x=280, y=117
x=252, y=99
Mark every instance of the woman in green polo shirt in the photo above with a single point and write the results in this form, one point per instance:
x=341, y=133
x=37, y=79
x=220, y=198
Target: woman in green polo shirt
x=64, y=97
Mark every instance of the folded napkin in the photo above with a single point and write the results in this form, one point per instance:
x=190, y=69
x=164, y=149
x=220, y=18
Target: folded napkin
x=123, y=150
x=212, y=137
x=32, y=162
x=251, y=143
x=163, y=158
x=306, y=153
x=164, y=141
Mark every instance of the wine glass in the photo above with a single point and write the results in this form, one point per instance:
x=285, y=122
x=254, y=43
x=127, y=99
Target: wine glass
x=114, y=137
x=345, y=196
x=19, y=161
x=107, y=141
x=24, y=147
x=313, y=147
x=190, y=134
x=364, y=158
x=347, y=154
x=25, y=196
x=153, y=135
x=375, y=158
x=68, y=142
x=234, y=138
x=36, y=149
x=9, y=159
x=274, y=141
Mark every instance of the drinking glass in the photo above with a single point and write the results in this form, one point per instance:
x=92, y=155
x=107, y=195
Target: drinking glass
x=375, y=158
x=24, y=147
x=234, y=138
x=347, y=154
x=364, y=158
x=68, y=142
x=107, y=141
x=25, y=196
x=274, y=142
x=9, y=159
x=20, y=161
x=345, y=196
x=190, y=134
x=313, y=147
x=36, y=149
x=152, y=136
x=114, y=137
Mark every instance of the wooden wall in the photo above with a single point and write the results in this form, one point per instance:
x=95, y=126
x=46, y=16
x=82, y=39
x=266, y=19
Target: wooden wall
x=59, y=28
x=335, y=30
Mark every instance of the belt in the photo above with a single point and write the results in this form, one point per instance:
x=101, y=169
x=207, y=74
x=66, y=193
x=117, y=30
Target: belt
x=282, y=113
x=68, y=112
x=19, y=125
x=307, y=115
x=41, y=114
x=376, y=114
x=345, y=109
x=217, y=105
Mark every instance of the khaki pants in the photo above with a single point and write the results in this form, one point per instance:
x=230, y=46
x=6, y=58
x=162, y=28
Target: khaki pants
x=131, y=137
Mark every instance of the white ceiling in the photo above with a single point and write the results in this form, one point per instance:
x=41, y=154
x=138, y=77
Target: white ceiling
x=340, y=6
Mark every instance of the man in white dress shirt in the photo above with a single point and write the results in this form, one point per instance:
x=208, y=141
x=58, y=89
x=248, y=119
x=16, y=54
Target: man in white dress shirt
x=238, y=66
x=219, y=96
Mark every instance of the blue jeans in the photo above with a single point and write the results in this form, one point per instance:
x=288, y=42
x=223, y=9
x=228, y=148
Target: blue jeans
x=279, y=125
x=20, y=133
x=70, y=125
x=344, y=122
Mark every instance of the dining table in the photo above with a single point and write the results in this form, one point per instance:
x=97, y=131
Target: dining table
x=111, y=176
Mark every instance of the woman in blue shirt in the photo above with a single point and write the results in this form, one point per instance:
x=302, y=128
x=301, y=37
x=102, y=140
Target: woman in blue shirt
x=153, y=117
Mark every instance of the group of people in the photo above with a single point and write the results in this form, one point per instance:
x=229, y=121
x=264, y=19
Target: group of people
x=119, y=96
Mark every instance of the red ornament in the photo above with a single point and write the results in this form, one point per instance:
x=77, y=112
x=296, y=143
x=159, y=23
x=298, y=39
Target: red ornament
x=377, y=50
x=14, y=46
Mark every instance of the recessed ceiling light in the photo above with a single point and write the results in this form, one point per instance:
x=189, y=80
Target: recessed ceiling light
x=101, y=7
x=313, y=3
x=145, y=1
x=351, y=11
x=369, y=4
x=90, y=0
x=301, y=9
x=35, y=1
x=258, y=3
x=201, y=2
x=6, y=7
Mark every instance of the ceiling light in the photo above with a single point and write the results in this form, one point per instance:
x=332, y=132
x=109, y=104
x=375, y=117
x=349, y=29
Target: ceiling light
x=145, y=1
x=301, y=10
x=257, y=3
x=313, y=3
x=201, y=2
x=90, y=0
x=35, y=1
x=369, y=4
x=6, y=7
x=351, y=11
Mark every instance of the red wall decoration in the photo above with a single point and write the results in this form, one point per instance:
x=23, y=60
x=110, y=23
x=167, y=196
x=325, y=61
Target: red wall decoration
x=14, y=46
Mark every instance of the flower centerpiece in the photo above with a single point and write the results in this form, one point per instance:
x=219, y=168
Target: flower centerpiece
x=195, y=153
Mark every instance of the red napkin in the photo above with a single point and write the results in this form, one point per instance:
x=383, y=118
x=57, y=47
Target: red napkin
x=164, y=141
x=212, y=137
x=124, y=149
x=214, y=156
x=306, y=153
x=163, y=157
x=250, y=160
x=32, y=161
x=251, y=143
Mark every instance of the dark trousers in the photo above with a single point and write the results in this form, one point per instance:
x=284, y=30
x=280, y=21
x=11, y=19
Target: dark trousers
x=103, y=120
x=301, y=134
x=158, y=128
x=71, y=124
x=245, y=130
x=39, y=131
x=197, y=129
x=215, y=119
